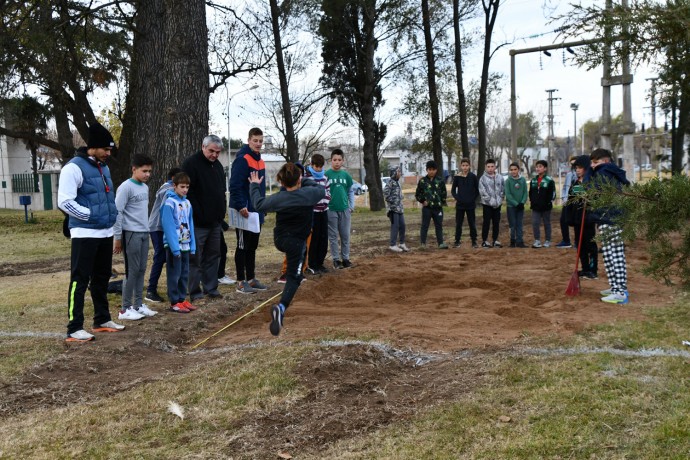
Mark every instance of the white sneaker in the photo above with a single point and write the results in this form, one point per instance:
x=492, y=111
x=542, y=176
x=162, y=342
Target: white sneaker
x=404, y=247
x=110, y=326
x=226, y=280
x=547, y=244
x=130, y=313
x=536, y=244
x=146, y=311
x=79, y=336
x=395, y=249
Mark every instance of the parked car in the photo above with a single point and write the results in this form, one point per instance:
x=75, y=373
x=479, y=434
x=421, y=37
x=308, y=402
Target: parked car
x=359, y=188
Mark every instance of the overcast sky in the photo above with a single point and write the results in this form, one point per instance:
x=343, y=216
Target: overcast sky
x=523, y=24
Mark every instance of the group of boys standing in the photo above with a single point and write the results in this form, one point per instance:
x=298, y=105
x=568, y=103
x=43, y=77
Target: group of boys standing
x=595, y=171
x=185, y=226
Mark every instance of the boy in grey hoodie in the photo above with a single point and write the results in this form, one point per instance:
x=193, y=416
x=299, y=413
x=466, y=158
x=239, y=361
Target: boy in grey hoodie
x=392, y=193
x=492, y=192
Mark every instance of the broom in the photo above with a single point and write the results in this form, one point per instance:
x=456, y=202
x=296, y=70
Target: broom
x=573, y=288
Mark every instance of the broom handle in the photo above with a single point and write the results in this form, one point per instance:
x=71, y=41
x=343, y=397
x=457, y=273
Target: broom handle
x=582, y=230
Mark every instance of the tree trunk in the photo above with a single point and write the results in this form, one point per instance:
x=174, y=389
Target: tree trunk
x=678, y=133
x=462, y=101
x=166, y=113
x=436, y=146
x=490, y=11
x=290, y=138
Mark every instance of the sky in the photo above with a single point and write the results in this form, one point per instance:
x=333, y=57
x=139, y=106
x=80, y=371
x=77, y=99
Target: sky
x=522, y=24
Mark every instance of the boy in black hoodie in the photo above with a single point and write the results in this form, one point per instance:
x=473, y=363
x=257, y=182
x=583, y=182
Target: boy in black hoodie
x=613, y=248
x=465, y=190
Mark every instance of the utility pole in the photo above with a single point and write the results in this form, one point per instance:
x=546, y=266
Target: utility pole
x=549, y=120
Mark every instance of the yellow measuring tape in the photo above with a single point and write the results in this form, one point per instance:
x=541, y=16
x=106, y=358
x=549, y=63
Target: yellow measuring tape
x=236, y=321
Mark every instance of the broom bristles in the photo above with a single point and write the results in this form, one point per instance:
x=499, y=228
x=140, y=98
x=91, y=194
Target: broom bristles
x=176, y=409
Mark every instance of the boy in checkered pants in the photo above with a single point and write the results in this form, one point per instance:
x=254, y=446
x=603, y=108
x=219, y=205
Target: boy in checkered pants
x=613, y=248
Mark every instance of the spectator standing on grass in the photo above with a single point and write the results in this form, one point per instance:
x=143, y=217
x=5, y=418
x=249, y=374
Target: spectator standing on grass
x=207, y=198
x=542, y=192
x=294, y=209
x=492, y=192
x=340, y=210
x=465, y=190
x=393, y=195
x=247, y=160
x=318, y=247
x=589, y=253
x=516, y=197
x=570, y=179
x=132, y=237
x=613, y=247
x=179, y=241
x=87, y=195
x=431, y=193
x=156, y=232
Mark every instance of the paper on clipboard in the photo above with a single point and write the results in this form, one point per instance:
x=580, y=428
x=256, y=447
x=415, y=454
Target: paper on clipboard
x=250, y=223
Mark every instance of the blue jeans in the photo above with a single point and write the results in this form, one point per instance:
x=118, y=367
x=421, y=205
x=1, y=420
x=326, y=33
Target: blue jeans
x=178, y=273
x=397, y=228
x=515, y=217
x=158, y=260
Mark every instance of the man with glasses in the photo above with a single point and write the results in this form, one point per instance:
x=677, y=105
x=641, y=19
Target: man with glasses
x=207, y=197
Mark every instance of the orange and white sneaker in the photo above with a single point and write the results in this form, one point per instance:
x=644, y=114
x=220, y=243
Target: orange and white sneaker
x=179, y=308
x=110, y=326
x=80, y=336
x=188, y=305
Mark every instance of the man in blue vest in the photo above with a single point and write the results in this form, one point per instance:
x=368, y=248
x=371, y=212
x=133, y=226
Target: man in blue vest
x=87, y=195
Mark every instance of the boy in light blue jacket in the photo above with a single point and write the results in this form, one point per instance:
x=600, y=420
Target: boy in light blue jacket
x=179, y=242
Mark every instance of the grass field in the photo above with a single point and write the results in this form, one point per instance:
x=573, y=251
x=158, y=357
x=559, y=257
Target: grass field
x=619, y=390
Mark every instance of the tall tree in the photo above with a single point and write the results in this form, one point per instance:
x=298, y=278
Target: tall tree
x=649, y=32
x=458, y=14
x=490, y=12
x=351, y=32
x=166, y=113
x=278, y=13
x=436, y=146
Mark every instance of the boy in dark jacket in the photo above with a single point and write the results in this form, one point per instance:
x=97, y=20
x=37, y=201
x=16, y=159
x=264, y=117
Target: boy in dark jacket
x=465, y=190
x=431, y=192
x=295, y=208
x=613, y=248
x=589, y=252
x=542, y=191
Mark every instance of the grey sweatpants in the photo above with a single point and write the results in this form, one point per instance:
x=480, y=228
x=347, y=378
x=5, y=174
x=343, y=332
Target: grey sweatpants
x=136, y=249
x=339, y=226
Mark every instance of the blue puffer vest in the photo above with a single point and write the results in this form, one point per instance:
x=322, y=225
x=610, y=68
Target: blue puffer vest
x=92, y=195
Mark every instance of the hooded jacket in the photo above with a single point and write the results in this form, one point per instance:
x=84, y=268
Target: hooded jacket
x=465, y=190
x=206, y=189
x=392, y=193
x=245, y=162
x=542, y=194
x=178, y=224
x=603, y=174
x=492, y=190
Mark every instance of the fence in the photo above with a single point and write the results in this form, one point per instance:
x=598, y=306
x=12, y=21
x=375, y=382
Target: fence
x=25, y=183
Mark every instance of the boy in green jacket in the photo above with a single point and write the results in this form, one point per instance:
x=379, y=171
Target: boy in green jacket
x=516, y=197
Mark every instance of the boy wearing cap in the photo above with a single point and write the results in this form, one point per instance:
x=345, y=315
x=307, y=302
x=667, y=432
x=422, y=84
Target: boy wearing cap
x=87, y=195
x=392, y=193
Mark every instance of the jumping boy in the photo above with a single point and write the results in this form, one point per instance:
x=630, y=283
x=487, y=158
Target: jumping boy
x=132, y=236
x=294, y=209
x=542, y=191
x=492, y=191
x=431, y=192
x=179, y=242
x=340, y=210
x=516, y=197
x=393, y=195
x=156, y=233
x=465, y=190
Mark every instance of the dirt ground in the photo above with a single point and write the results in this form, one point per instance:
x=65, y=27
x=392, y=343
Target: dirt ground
x=426, y=302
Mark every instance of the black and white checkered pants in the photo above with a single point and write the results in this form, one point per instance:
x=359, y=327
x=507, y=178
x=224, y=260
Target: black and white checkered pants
x=614, y=258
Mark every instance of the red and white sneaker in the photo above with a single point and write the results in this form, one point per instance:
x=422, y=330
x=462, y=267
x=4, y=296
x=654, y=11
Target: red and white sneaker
x=187, y=304
x=179, y=308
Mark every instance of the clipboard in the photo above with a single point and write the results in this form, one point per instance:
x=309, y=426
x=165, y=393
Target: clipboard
x=250, y=223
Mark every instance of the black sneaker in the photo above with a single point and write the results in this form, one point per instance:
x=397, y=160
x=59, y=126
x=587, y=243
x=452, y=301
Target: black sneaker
x=311, y=271
x=486, y=245
x=475, y=245
x=512, y=243
x=153, y=297
x=347, y=263
x=322, y=270
x=520, y=245
x=590, y=276
x=276, y=320
x=337, y=264
x=457, y=244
